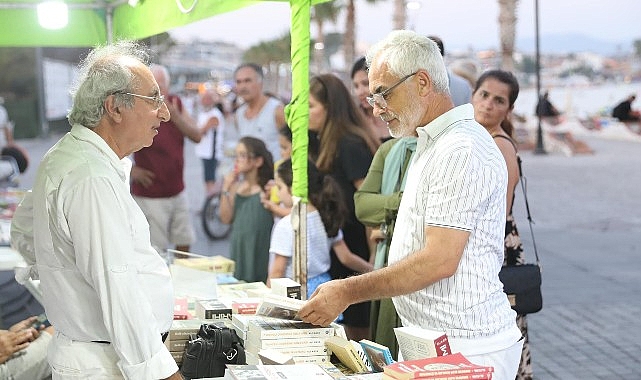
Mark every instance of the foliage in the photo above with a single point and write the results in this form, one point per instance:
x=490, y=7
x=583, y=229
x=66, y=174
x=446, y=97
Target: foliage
x=17, y=72
x=267, y=52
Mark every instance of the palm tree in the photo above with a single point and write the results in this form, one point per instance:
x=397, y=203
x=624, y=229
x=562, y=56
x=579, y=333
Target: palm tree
x=322, y=13
x=507, y=32
x=349, y=40
x=399, y=18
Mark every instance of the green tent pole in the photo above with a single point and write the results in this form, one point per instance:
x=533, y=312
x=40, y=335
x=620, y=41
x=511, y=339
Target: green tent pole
x=297, y=113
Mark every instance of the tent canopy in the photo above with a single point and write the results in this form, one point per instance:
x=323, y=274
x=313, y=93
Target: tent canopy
x=94, y=22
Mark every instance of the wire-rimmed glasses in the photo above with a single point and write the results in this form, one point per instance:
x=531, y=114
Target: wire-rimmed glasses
x=378, y=99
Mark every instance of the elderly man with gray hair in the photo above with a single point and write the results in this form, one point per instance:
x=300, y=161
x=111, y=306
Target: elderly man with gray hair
x=447, y=246
x=106, y=291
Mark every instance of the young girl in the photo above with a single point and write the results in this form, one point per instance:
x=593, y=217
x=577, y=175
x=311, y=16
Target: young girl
x=240, y=205
x=326, y=214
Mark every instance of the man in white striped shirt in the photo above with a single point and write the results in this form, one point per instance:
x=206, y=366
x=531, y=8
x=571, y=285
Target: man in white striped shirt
x=447, y=247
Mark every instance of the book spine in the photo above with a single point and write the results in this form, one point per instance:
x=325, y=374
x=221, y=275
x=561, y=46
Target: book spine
x=285, y=333
x=286, y=343
x=442, y=346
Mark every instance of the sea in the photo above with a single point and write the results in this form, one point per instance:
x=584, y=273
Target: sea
x=580, y=101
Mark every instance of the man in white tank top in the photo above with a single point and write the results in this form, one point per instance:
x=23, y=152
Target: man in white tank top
x=261, y=116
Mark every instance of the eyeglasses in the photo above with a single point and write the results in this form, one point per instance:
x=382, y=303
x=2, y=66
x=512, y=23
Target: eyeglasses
x=157, y=100
x=378, y=99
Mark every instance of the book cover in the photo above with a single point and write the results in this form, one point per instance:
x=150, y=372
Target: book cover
x=269, y=356
x=418, y=343
x=218, y=264
x=245, y=305
x=285, y=287
x=361, y=353
x=271, y=328
x=449, y=365
x=379, y=355
x=346, y=353
x=212, y=309
x=276, y=306
x=181, y=309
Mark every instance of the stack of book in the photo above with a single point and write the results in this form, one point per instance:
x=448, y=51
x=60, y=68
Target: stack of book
x=217, y=264
x=213, y=310
x=179, y=335
x=453, y=366
x=303, y=342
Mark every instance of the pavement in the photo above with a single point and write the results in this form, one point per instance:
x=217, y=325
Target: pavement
x=587, y=214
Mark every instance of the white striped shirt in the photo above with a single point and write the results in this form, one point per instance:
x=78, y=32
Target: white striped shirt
x=458, y=179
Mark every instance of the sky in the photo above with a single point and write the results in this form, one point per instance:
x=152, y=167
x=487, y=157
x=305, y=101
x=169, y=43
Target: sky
x=460, y=23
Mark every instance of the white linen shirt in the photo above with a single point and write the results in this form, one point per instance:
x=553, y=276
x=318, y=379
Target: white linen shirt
x=100, y=276
x=205, y=148
x=458, y=180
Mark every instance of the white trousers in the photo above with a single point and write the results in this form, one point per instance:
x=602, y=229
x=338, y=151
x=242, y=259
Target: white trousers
x=505, y=362
x=71, y=359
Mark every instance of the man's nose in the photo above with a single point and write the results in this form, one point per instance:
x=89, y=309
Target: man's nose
x=163, y=113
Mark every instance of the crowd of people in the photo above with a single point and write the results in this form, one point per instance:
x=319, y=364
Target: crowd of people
x=385, y=249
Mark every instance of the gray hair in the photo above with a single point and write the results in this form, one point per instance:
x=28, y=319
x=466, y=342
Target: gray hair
x=406, y=52
x=105, y=71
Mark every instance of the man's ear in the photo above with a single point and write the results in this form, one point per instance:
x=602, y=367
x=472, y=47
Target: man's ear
x=424, y=83
x=111, y=110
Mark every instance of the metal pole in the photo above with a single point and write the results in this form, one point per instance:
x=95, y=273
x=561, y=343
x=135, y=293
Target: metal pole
x=40, y=83
x=539, y=131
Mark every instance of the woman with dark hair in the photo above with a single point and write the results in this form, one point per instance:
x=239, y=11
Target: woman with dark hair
x=240, y=205
x=493, y=100
x=346, y=151
x=360, y=85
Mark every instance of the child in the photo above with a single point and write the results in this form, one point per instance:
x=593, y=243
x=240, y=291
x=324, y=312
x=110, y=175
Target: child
x=240, y=205
x=326, y=212
x=273, y=203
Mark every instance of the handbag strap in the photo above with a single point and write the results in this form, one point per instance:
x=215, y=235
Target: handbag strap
x=527, y=208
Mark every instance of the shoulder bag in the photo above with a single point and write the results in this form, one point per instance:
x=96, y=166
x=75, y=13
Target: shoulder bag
x=208, y=352
x=522, y=283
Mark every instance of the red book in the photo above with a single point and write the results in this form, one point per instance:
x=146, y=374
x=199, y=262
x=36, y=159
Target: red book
x=449, y=366
x=181, y=310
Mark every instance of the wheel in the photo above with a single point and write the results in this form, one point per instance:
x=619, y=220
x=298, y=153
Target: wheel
x=212, y=225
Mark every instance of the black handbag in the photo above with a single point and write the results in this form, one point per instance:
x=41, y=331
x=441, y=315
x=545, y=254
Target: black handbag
x=208, y=352
x=522, y=283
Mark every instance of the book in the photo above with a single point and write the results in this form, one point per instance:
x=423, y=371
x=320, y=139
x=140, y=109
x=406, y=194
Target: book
x=379, y=355
x=346, y=353
x=212, y=309
x=418, y=343
x=180, y=329
x=288, y=343
x=291, y=351
x=241, y=289
x=361, y=353
x=218, y=264
x=278, y=372
x=449, y=365
x=181, y=310
x=245, y=305
x=285, y=287
x=273, y=328
x=269, y=356
x=276, y=306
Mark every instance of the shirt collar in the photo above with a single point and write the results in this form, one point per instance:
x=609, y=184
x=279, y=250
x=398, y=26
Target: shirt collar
x=446, y=120
x=83, y=133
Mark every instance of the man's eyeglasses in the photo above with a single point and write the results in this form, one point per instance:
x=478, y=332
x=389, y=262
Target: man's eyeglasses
x=157, y=100
x=378, y=99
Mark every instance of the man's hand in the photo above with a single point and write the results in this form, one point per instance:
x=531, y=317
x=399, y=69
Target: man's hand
x=326, y=304
x=142, y=176
x=12, y=342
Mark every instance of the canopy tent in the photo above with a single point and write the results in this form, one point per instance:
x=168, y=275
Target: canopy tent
x=95, y=22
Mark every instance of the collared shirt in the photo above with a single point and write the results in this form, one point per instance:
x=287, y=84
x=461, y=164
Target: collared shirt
x=458, y=180
x=101, y=279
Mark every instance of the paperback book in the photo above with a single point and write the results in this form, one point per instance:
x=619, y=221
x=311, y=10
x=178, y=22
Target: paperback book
x=282, y=307
x=346, y=353
x=418, y=343
x=443, y=366
x=378, y=355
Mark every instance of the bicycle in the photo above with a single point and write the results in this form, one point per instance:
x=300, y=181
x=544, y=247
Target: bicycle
x=212, y=225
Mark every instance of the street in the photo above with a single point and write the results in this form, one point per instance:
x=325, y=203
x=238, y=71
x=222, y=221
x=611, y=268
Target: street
x=587, y=214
